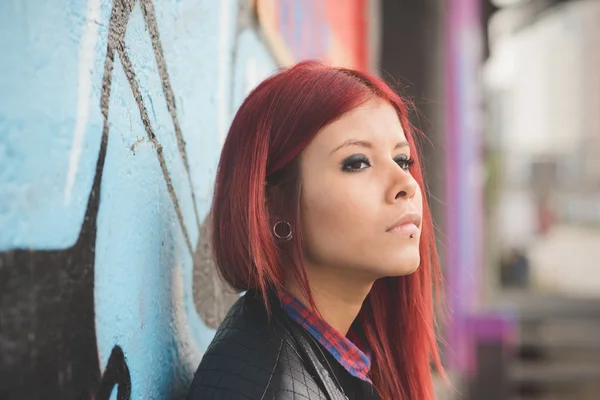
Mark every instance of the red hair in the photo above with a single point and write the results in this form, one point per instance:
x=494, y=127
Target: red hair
x=273, y=125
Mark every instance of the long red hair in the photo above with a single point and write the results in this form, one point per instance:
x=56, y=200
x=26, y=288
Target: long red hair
x=273, y=125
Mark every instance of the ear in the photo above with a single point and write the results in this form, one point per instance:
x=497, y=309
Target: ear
x=273, y=200
x=282, y=190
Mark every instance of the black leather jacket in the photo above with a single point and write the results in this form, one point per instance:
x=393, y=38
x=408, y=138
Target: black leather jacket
x=254, y=358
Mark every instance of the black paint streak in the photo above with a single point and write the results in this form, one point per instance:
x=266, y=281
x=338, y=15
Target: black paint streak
x=152, y=25
x=137, y=94
x=120, y=15
x=117, y=373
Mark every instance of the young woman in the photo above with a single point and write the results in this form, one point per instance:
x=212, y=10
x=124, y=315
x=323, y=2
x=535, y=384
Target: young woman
x=319, y=216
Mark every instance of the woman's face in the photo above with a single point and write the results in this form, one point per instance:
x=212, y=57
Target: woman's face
x=360, y=206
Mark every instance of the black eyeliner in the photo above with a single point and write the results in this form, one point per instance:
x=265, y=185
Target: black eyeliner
x=353, y=160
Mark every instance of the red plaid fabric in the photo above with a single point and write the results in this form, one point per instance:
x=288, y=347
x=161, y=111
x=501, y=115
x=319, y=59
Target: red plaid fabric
x=356, y=362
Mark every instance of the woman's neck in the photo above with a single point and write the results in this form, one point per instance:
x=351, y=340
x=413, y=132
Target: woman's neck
x=338, y=298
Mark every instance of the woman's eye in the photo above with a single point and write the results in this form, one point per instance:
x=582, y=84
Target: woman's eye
x=404, y=162
x=355, y=163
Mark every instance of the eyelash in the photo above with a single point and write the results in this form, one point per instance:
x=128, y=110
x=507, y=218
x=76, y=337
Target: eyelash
x=402, y=161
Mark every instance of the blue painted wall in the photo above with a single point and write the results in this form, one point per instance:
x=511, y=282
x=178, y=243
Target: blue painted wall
x=112, y=116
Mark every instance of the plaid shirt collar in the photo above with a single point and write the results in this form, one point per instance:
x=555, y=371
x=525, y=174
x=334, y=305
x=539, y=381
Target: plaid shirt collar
x=356, y=362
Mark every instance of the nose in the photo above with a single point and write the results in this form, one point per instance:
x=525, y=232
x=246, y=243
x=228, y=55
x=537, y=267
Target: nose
x=403, y=185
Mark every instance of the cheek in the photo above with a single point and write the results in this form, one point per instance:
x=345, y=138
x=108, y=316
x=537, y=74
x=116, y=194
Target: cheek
x=419, y=200
x=320, y=213
x=418, y=203
x=331, y=218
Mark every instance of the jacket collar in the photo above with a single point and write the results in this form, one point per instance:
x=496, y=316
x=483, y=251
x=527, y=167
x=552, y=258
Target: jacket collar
x=346, y=353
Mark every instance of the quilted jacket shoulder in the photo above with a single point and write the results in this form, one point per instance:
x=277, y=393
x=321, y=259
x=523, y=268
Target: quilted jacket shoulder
x=252, y=357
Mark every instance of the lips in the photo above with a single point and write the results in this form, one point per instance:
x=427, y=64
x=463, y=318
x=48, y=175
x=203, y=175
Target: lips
x=408, y=223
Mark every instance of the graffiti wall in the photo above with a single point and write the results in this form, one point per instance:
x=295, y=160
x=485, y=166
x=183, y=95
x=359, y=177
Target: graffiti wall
x=335, y=31
x=112, y=115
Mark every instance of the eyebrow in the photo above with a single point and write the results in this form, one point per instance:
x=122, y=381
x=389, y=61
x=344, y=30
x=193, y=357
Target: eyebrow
x=365, y=143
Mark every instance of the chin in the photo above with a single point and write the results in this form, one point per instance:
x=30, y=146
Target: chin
x=413, y=267
x=405, y=265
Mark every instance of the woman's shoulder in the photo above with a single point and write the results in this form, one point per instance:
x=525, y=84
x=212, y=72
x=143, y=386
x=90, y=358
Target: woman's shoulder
x=243, y=356
x=255, y=357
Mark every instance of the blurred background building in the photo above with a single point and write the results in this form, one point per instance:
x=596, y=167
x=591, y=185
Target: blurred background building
x=541, y=85
x=112, y=114
x=543, y=129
